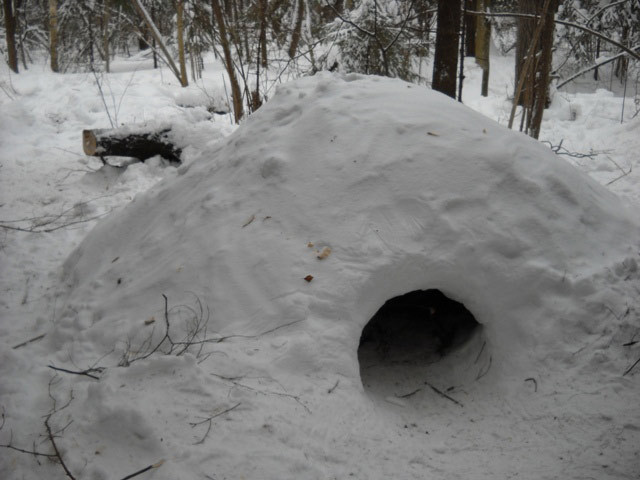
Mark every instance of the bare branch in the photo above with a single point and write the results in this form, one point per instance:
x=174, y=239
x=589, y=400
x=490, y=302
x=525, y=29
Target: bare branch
x=208, y=420
x=565, y=23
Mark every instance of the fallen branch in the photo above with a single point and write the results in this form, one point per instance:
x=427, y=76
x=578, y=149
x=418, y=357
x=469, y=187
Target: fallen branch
x=196, y=336
x=441, y=393
x=87, y=373
x=332, y=389
x=54, y=222
x=560, y=150
x=208, y=420
x=58, y=455
x=34, y=339
x=483, y=373
x=407, y=395
x=631, y=367
x=146, y=469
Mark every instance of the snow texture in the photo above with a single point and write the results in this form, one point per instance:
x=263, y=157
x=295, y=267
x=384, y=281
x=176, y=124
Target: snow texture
x=423, y=194
x=398, y=189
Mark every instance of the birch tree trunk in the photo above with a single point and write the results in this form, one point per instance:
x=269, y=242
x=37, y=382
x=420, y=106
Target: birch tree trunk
x=180, y=32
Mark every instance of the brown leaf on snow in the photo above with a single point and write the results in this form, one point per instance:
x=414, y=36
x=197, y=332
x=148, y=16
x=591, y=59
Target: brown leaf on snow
x=308, y=278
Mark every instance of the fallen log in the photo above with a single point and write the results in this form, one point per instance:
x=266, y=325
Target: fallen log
x=139, y=141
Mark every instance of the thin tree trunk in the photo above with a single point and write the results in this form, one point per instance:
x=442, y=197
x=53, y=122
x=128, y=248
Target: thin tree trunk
x=541, y=93
x=53, y=34
x=446, y=55
x=525, y=31
x=156, y=35
x=106, y=16
x=483, y=44
x=470, y=28
x=297, y=30
x=10, y=30
x=181, y=57
x=264, y=8
x=236, y=94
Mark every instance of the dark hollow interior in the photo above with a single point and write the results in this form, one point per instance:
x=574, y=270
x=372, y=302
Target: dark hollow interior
x=423, y=324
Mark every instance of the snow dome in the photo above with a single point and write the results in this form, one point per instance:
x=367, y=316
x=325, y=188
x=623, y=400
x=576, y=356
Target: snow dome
x=339, y=195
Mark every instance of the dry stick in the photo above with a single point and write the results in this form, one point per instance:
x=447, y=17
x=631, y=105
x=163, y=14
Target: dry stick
x=481, y=373
x=527, y=66
x=30, y=452
x=55, y=447
x=407, y=395
x=441, y=393
x=154, y=32
x=195, y=424
x=332, y=389
x=34, y=339
x=631, y=367
x=146, y=469
x=83, y=372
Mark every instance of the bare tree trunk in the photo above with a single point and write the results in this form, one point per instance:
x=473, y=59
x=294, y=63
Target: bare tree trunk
x=106, y=16
x=264, y=8
x=483, y=44
x=446, y=55
x=297, y=30
x=541, y=91
x=470, y=28
x=53, y=34
x=180, y=32
x=236, y=94
x=524, y=38
x=10, y=30
x=156, y=35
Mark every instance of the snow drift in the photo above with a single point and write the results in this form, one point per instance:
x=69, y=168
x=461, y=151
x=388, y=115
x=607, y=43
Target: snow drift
x=404, y=190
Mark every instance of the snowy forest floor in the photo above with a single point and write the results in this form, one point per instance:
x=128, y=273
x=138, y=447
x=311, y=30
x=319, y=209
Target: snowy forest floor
x=52, y=195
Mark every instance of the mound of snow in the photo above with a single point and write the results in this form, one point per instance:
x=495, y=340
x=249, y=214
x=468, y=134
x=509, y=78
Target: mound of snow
x=403, y=190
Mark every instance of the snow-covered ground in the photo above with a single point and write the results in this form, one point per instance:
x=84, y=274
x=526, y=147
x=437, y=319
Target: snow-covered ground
x=402, y=190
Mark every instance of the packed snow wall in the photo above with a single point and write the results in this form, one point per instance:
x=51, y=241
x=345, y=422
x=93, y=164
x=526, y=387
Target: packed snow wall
x=340, y=194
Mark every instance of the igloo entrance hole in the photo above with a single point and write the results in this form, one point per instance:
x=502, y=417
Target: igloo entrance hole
x=420, y=327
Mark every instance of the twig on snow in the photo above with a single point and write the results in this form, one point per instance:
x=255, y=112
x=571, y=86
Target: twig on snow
x=58, y=455
x=407, y=395
x=535, y=383
x=31, y=340
x=631, y=367
x=482, y=373
x=332, y=389
x=87, y=373
x=208, y=420
x=145, y=469
x=441, y=393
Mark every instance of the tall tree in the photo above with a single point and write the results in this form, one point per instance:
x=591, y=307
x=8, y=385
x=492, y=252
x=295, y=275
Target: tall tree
x=180, y=33
x=447, y=42
x=236, y=94
x=53, y=34
x=10, y=30
x=483, y=43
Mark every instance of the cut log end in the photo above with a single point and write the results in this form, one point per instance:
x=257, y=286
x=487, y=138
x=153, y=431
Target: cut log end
x=89, y=142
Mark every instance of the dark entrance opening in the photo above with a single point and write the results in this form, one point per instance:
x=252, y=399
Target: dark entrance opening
x=419, y=327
